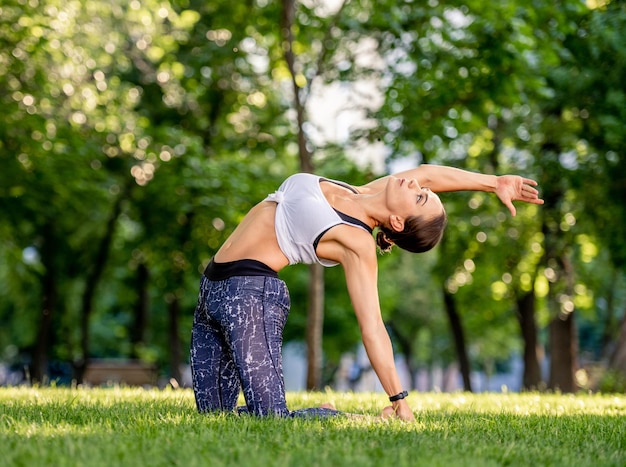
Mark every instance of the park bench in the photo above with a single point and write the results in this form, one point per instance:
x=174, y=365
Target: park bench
x=122, y=372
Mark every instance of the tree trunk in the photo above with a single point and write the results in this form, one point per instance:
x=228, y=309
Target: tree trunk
x=528, y=327
x=315, y=311
x=459, y=338
x=314, y=328
x=39, y=363
x=563, y=349
x=562, y=333
x=315, y=316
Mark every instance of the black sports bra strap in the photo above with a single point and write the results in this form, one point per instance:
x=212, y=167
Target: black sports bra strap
x=346, y=218
x=340, y=183
x=353, y=220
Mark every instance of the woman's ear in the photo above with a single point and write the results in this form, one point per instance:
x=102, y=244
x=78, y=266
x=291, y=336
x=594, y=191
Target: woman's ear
x=397, y=223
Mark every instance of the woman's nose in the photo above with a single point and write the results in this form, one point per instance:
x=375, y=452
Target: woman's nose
x=413, y=184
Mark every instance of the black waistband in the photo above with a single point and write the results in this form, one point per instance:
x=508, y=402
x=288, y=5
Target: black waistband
x=243, y=267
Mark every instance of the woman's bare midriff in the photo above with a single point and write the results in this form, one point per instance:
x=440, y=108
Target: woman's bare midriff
x=255, y=238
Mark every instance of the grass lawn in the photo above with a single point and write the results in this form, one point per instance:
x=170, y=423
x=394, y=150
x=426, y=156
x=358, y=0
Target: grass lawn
x=135, y=427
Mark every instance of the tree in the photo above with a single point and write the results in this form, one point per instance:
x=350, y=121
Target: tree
x=595, y=101
x=450, y=62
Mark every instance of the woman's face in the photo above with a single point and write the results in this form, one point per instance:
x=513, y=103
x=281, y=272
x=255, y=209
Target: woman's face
x=406, y=198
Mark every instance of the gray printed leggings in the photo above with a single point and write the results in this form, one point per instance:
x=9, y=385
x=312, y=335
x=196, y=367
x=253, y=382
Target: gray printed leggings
x=236, y=343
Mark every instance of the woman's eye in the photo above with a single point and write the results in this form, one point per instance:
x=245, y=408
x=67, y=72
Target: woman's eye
x=419, y=198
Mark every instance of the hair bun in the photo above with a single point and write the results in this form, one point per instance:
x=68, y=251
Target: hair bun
x=383, y=242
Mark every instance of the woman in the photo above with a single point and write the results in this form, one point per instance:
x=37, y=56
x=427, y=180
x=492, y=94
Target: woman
x=243, y=306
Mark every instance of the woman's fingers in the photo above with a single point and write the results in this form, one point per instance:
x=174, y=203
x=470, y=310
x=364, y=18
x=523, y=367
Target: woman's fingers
x=388, y=412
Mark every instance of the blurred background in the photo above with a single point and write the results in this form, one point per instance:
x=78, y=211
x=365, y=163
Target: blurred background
x=134, y=135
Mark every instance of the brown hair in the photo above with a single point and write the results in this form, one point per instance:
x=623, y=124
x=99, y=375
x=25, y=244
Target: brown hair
x=419, y=235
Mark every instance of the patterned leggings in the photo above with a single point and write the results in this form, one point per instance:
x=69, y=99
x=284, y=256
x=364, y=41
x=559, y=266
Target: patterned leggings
x=236, y=343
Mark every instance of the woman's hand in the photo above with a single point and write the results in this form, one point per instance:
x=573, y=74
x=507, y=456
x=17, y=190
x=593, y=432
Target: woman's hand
x=399, y=409
x=511, y=188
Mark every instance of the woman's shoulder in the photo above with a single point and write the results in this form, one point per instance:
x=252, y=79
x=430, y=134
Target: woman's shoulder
x=300, y=179
x=347, y=241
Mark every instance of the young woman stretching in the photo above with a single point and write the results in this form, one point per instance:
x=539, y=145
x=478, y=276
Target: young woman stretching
x=243, y=305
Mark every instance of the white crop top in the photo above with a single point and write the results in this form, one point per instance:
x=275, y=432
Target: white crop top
x=303, y=215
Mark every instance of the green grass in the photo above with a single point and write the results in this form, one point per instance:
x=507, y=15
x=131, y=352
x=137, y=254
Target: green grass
x=135, y=427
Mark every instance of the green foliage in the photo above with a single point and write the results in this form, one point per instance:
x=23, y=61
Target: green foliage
x=613, y=381
x=64, y=427
x=109, y=112
x=180, y=113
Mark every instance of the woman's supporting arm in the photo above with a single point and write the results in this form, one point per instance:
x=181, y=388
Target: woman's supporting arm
x=360, y=267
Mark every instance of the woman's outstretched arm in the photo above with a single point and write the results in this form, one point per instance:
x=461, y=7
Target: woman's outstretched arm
x=440, y=179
